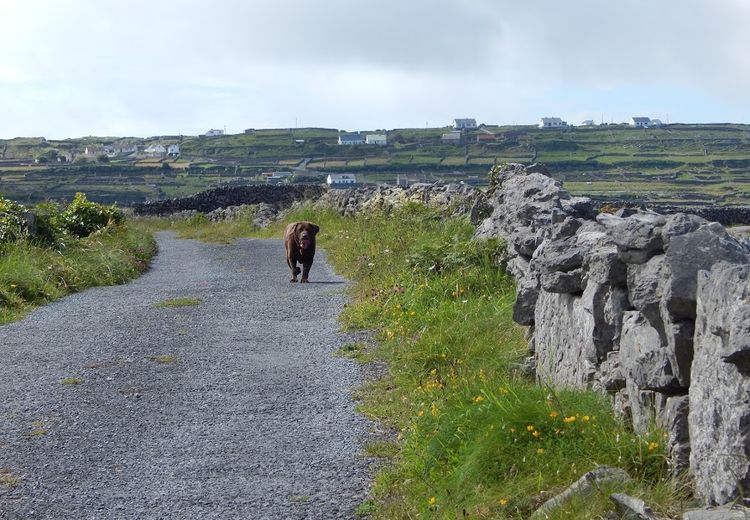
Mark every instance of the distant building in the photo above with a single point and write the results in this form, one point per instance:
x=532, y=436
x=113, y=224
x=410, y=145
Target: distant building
x=467, y=123
x=655, y=122
x=250, y=131
x=214, y=132
x=486, y=138
x=173, y=150
x=454, y=137
x=351, y=139
x=588, y=122
x=379, y=139
x=552, y=122
x=155, y=150
x=640, y=122
x=341, y=180
x=126, y=149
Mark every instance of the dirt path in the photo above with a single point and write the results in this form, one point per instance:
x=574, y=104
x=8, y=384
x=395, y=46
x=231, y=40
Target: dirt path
x=232, y=408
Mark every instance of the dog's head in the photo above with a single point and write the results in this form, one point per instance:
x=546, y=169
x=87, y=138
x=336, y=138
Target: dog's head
x=304, y=234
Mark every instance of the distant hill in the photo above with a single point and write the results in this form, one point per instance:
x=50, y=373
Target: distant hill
x=689, y=164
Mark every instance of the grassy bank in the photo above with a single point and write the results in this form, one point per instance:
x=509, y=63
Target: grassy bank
x=83, y=245
x=473, y=435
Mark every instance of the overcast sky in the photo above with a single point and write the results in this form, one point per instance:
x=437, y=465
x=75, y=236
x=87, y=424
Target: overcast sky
x=70, y=68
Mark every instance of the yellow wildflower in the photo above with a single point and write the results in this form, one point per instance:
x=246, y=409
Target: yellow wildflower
x=553, y=414
x=536, y=433
x=530, y=428
x=503, y=501
x=539, y=451
x=432, y=501
x=570, y=419
x=478, y=399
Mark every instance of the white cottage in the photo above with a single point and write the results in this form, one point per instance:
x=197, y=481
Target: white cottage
x=155, y=150
x=341, y=180
x=468, y=123
x=349, y=139
x=552, y=122
x=640, y=122
x=379, y=139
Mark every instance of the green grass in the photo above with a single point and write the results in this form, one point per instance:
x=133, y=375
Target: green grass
x=476, y=437
x=8, y=479
x=164, y=359
x=172, y=303
x=200, y=228
x=32, y=275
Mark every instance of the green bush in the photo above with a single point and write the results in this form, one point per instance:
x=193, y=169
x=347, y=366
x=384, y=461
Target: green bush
x=12, y=221
x=82, y=217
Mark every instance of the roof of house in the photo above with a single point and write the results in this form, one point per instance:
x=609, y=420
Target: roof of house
x=350, y=137
x=551, y=120
x=641, y=119
x=466, y=121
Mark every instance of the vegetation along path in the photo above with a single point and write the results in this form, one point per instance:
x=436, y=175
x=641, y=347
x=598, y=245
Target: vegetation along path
x=205, y=389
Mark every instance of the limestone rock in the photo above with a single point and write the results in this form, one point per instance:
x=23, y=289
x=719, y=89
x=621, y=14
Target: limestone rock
x=732, y=512
x=720, y=386
x=584, y=487
x=643, y=358
x=632, y=508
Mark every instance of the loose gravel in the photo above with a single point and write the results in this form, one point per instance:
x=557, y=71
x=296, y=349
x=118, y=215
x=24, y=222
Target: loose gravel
x=112, y=407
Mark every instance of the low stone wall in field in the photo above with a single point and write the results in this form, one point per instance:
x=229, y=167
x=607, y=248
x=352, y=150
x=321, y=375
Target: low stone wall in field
x=222, y=197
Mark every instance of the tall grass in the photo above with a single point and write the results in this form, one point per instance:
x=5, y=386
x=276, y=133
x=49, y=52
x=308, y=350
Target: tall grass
x=474, y=436
x=33, y=274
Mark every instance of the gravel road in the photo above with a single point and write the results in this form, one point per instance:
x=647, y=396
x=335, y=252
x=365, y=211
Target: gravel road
x=246, y=415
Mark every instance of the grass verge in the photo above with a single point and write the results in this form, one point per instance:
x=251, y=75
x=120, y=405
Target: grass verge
x=33, y=274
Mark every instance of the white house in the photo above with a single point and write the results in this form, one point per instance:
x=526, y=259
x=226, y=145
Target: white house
x=460, y=124
x=351, y=139
x=451, y=138
x=588, y=122
x=379, y=139
x=214, y=132
x=341, y=180
x=155, y=150
x=173, y=150
x=655, y=123
x=640, y=122
x=552, y=122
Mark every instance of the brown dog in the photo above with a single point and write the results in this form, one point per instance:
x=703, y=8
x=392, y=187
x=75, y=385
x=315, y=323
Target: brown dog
x=299, y=242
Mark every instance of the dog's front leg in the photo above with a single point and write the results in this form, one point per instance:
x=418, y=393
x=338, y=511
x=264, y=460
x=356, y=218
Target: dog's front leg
x=305, y=271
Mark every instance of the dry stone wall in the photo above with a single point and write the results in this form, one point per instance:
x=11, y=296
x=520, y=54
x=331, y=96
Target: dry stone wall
x=651, y=309
x=225, y=196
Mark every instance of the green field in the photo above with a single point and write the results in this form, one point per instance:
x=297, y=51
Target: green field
x=690, y=164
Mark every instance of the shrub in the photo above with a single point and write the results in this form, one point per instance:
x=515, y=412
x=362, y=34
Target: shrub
x=13, y=223
x=82, y=217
